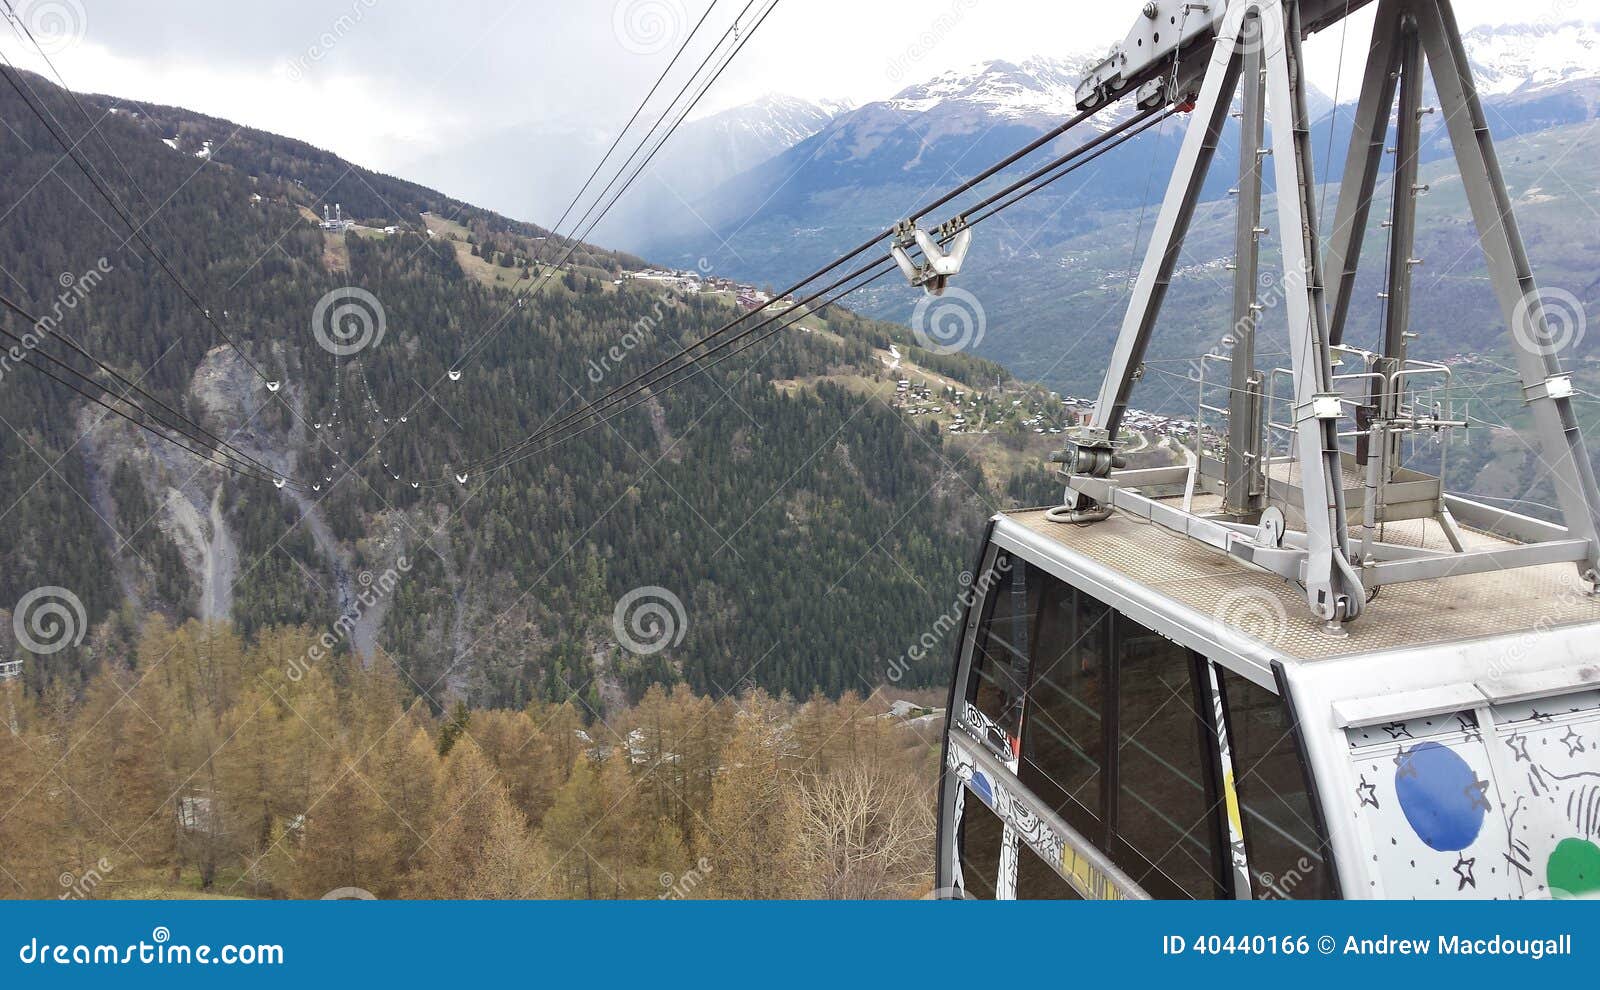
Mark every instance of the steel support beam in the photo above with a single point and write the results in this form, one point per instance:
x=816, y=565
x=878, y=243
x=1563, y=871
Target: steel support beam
x=1367, y=139
x=1166, y=239
x=1244, y=484
x=1474, y=562
x=1561, y=443
x=1333, y=589
x=1403, y=221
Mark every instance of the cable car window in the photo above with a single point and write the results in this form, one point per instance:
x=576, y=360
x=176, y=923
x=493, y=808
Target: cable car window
x=1039, y=881
x=1281, y=839
x=1000, y=661
x=1165, y=813
x=1063, y=743
x=978, y=846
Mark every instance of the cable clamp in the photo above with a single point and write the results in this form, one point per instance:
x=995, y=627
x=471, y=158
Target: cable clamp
x=938, y=265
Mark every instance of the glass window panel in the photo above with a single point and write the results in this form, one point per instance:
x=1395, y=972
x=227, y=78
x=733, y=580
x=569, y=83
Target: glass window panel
x=978, y=845
x=1001, y=658
x=1280, y=836
x=1164, y=814
x=1063, y=745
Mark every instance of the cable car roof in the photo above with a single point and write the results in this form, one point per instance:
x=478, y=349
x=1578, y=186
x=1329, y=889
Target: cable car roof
x=1188, y=591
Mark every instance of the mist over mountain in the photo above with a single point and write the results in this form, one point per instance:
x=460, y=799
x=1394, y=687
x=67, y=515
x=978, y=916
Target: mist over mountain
x=702, y=154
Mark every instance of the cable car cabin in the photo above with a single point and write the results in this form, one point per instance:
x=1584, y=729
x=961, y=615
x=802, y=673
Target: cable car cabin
x=1137, y=715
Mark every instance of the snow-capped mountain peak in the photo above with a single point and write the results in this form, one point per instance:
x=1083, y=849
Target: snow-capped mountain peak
x=1523, y=58
x=1032, y=87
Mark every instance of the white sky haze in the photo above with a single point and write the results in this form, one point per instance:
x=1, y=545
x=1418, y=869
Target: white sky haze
x=417, y=89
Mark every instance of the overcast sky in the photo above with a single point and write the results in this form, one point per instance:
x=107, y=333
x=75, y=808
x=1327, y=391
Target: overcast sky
x=419, y=89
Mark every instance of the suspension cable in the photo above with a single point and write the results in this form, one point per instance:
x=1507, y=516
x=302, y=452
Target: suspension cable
x=986, y=208
x=575, y=238
x=1086, y=152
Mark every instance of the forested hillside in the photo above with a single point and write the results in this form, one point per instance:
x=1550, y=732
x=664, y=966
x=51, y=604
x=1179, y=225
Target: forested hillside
x=809, y=529
x=198, y=764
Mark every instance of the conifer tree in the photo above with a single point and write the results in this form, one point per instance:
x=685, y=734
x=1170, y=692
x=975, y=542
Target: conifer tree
x=750, y=838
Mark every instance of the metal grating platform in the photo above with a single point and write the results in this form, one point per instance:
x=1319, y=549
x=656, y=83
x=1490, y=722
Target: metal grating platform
x=1476, y=606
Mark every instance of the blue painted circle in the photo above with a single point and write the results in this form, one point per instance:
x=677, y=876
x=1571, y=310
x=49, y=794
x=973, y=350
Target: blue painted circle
x=1440, y=796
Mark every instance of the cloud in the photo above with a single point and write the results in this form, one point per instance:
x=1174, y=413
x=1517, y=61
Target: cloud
x=427, y=91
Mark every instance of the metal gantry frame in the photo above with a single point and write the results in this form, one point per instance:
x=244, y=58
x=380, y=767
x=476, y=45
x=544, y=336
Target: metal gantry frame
x=1257, y=43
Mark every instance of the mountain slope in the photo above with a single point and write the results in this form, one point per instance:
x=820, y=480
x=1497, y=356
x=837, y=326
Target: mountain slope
x=808, y=533
x=871, y=166
x=868, y=167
